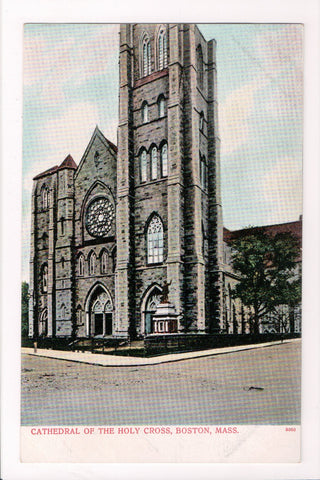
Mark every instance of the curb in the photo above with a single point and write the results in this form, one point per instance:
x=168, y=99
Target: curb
x=115, y=361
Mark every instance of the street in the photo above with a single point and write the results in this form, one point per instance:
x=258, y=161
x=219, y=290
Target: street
x=258, y=386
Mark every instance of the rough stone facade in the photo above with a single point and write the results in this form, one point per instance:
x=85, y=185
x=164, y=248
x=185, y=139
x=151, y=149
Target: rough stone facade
x=107, y=234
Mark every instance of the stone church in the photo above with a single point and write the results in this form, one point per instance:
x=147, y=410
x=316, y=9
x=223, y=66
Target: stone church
x=107, y=234
x=110, y=235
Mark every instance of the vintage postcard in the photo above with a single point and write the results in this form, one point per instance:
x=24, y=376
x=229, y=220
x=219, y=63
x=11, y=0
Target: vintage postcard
x=162, y=317
x=162, y=197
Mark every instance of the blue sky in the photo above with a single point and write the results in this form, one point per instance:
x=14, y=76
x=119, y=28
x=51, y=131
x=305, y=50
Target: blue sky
x=71, y=84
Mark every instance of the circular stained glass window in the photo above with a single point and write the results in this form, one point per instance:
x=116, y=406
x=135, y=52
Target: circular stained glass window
x=99, y=217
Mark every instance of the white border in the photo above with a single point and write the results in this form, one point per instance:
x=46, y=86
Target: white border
x=14, y=14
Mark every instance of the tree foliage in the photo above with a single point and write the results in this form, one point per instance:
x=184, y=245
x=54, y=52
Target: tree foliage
x=268, y=272
x=24, y=308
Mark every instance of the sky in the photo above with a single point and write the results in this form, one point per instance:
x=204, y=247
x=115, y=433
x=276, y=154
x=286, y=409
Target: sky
x=70, y=85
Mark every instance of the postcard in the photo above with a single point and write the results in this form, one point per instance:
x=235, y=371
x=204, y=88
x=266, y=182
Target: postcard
x=163, y=260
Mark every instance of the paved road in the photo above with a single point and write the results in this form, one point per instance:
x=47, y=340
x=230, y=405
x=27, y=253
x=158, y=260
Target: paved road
x=259, y=386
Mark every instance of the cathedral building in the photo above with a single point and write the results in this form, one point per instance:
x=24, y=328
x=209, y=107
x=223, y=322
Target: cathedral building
x=109, y=234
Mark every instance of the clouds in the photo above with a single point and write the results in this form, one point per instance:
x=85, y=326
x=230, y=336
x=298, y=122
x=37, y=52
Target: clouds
x=70, y=131
x=282, y=190
x=274, y=60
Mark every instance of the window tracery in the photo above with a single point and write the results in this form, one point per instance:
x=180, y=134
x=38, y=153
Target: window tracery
x=155, y=240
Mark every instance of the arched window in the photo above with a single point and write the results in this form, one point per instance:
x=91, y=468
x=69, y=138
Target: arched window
x=145, y=113
x=201, y=121
x=104, y=262
x=44, y=197
x=164, y=160
x=62, y=262
x=155, y=240
x=143, y=166
x=163, y=49
x=44, y=278
x=154, y=163
x=92, y=263
x=161, y=106
x=199, y=57
x=146, y=56
x=81, y=265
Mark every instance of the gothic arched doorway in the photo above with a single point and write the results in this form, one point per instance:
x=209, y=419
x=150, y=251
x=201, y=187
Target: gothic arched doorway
x=99, y=312
x=151, y=300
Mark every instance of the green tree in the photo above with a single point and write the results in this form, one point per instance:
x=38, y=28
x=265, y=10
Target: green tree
x=268, y=273
x=24, y=308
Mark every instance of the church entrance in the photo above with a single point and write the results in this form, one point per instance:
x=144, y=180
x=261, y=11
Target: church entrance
x=99, y=312
x=151, y=300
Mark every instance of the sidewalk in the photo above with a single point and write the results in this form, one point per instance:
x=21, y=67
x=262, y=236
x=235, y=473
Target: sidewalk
x=118, y=361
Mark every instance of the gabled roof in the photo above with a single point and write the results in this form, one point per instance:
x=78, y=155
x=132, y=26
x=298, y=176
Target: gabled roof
x=68, y=162
x=97, y=133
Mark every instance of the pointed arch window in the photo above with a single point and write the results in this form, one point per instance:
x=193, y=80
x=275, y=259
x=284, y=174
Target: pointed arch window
x=104, y=262
x=81, y=265
x=44, y=197
x=154, y=163
x=146, y=56
x=143, y=166
x=199, y=58
x=92, y=263
x=44, y=278
x=163, y=49
x=161, y=106
x=164, y=160
x=155, y=240
x=145, y=112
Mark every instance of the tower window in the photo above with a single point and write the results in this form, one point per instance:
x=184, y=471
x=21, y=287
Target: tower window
x=145, y=113
x=164, y=160
x=163, y=49
x=143, y=166
x=199, y=57
x=154, y=163
x=161, y=106
x=62, y=262
x=44, y=197
x=146, y=56
x=155, y=240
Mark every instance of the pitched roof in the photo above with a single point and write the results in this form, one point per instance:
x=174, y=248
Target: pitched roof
x=46, y=172
x=68, y=162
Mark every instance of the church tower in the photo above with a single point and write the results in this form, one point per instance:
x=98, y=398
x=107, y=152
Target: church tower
x=169, y=220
